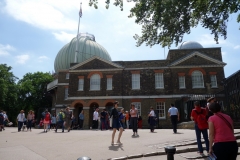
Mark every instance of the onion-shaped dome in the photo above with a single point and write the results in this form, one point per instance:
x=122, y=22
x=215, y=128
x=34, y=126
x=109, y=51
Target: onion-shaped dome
x=190, y=45
x=87, y=47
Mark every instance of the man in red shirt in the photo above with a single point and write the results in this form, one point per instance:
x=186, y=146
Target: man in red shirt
x=194, y=116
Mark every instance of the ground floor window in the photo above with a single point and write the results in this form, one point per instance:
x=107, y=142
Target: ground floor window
x=160, y=107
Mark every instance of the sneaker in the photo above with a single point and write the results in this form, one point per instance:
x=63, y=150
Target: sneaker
x=137, y=134
x=133, y=134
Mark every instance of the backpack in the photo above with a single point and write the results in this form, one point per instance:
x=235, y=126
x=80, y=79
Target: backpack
x=61, y=116
x=201, y=120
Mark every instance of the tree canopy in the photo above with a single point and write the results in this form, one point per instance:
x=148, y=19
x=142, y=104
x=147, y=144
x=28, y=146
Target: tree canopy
x=165, y=22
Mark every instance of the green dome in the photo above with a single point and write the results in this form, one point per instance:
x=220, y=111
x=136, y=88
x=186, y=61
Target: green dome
x=87, y=48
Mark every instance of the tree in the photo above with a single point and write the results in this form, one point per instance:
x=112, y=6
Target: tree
x=8, y=91
x=33, y=91
x=166, y=21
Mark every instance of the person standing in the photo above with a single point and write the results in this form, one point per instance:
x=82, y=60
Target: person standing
x=53, y=121
x=6, y=121
x=221, y=135
x=46, y=120
x=152, y=121
x=210, y=100
x=127, y=119
x=116, y=125
x=60, y=120
x=29, y=120
x=174, y=115
x=95, y=119
x=68, y=118
x=198, y=115
x=20, y=119
x=81, y=119
x=103, y=120
x=134, y=119
x=1, y=120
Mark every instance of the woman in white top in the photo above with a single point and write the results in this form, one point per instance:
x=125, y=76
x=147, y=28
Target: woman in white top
x=151, y=119
x=134, y=119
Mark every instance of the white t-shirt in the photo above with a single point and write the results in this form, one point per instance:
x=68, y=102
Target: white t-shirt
x=152, y=114
x=95, y=115
x=21, y=117
x=173, y=111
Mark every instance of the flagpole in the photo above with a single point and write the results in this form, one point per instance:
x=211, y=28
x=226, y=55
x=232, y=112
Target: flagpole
x=76, y=51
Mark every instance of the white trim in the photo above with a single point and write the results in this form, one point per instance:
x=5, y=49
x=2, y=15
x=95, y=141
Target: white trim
x=63, y=84
x=92, y=58
x=196, y=53
x=195, y=66
x=166, y=67
x=92, y=70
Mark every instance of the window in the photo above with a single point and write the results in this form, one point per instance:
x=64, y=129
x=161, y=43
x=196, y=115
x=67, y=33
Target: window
x=135, y=81
x=138, y=106
x=197, y=79
x=66, y=93
x=159, y=83
x=109, y=83
x=181, y=82
x=95, y=82
x=213, y=81
x=67, y=76
x=80, y=84
x=160, y=107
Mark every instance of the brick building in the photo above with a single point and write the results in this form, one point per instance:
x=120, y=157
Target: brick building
x=189, y=73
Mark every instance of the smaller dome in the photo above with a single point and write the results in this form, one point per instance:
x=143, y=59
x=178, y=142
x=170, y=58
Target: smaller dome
x=190, y=45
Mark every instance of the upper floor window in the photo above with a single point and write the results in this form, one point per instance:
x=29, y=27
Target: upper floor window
x=67, y=76
x=181, y=82
x=197, y=79
x=109, y=83
x=138, y=106
x=160, y=107
x=66, y=93
x=95, y=82
x=213, y=81
x=159, y=83
x=80, y=84
x=135, y=81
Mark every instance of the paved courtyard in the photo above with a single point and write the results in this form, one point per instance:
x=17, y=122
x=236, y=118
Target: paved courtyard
x=71, y=145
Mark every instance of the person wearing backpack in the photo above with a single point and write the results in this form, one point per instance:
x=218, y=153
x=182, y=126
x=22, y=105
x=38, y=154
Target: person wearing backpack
x=198, y=115
x=60, y=120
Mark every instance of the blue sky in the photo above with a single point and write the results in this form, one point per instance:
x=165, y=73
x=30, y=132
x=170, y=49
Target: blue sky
x=32, y=33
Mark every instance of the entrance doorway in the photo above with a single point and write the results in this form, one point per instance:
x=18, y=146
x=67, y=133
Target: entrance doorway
x=93, y=106
x=77, y=110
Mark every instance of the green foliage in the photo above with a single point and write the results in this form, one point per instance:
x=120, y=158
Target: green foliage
x=8, y=90
x=33, y=91
x=166, y=21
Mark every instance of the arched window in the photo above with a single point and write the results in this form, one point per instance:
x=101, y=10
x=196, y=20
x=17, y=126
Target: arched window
x=197, y=79
x=95, y=82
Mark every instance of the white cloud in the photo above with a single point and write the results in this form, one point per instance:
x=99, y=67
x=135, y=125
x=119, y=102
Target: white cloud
x=63, y=36
x=5, y=49
x=22, y=58
x=45, y=14
x=208, y=40
x=236, y=47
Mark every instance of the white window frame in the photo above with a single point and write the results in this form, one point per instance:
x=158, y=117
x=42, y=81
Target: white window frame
x=67, y=75
x=197, y=79
x=138, y=106
x=135, y=81
x=159, y=81
x=182, y=82
x=95, y=82
x=80, y=84
x=161, y=108
x=109, y=83
x=66, y=93
x=213, y=81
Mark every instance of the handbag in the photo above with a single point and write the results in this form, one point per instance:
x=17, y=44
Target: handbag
x=226, y=121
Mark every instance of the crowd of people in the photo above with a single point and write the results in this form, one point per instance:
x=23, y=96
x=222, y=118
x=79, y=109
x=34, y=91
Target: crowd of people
x=209, y=118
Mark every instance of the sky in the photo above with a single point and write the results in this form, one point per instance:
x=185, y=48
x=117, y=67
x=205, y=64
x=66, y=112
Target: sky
x=33, y=31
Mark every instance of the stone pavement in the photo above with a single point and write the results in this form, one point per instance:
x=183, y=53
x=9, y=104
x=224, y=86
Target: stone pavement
x=71, y=145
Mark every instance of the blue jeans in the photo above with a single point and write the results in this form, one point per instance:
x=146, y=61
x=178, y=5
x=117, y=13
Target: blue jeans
x=104, y=124
x=205, y=136
x=20, y=124
x=60, y=123
x=174, y=119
